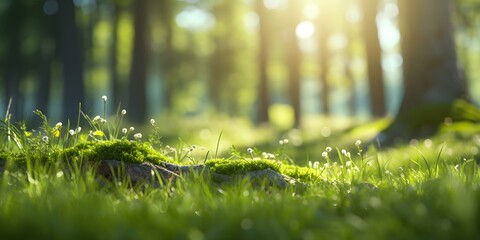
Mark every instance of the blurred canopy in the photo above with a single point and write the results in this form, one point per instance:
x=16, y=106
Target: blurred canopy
x=259, y=59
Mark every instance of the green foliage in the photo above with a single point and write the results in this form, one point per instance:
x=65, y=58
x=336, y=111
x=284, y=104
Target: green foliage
x=121, y=150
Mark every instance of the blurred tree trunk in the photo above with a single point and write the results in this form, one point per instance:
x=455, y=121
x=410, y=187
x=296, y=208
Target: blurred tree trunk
x=431, y=80
x=324, y=55
x=374, y=57
x=263, y=94
x=117, y=87
x=168, y=58
x=294, y=60
x=13, y=60
x=71, y=55
x=46, y=54
x=138, y=76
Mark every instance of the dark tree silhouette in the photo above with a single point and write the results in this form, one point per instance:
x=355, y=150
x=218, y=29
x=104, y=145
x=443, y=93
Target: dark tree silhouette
x=13, y=61
x=374, y=57
x=138, y=76
x=263, y=94
x=70, y=51
x=431, y=80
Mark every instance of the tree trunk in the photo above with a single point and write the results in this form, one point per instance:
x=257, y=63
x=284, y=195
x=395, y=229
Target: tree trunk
x=117, y=87
x=324, y=56
x=13, y=61
x=138, y=76
x=169, y=52
x=263, y=94
x=431, y=80
x=294, y=61
x=374, y=58
x=71, y=55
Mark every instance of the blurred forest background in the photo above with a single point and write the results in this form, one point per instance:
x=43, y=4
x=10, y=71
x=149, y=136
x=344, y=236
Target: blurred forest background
x=264, y=60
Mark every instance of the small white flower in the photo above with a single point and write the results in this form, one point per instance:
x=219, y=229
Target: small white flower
x=72, y=132
x=310, y=164
x=281, y=142
x=137, y=136
x=456, y=167
x=78, y=130
x=324, y=154
x=58, y=125
x=348, y=155
x=315, y=164
x=104, y=98
x=326, y=165
x=45, y=139
x=96, y=118
x=103, y=120
x=250, y=150
x=328, y=149
x=152, y=121
x=132, y=129
x=285, y=141
x=344, y=152
x=124, y=112
x=358, y=142
x=348, y=163
x=124, y=130
x=264, y=155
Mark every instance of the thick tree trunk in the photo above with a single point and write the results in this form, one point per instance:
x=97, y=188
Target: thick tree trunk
x=71, y=55
x=117, y=88
x=138, y=76
x=374, y=58
x=263, y=94
x=431, y=80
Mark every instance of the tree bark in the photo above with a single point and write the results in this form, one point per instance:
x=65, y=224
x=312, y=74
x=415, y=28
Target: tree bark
x=374, y=58
x=138, y=76
x=431, y=79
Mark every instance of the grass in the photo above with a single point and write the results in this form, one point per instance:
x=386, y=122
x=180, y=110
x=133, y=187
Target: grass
x=428, y=189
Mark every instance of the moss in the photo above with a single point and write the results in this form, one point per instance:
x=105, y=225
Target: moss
x=125, y=151
x=304, y=174
x=235, y=167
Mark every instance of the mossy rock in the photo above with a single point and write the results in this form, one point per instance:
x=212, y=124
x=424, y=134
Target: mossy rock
x=239, y=167
x=121, y=150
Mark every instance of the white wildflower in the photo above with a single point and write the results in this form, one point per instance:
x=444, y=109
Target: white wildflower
x=132, y=129
x=96, y=118
x=358, y=142
x=58, y=125
x=72, y=132
x=348, y=163
x=104, y=98
x=45, y=139
x=310, y=164
x=328, y=149
x=124, y=112
x=315, y=164
x=325, y=154
x=137, y=136
x=124, y=130
x=250, y=150
x=152, y=121
x=78, y=130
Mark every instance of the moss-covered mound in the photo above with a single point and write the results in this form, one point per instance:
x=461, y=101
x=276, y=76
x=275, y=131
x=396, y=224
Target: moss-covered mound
x=238, y=167
x=121, y=150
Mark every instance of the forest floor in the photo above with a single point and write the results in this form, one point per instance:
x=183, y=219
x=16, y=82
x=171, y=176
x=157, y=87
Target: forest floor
x=230, y=179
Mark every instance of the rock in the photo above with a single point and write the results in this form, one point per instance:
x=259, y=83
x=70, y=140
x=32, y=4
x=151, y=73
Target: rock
x=163, y=173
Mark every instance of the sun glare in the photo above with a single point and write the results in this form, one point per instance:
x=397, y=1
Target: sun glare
x=305, y=29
